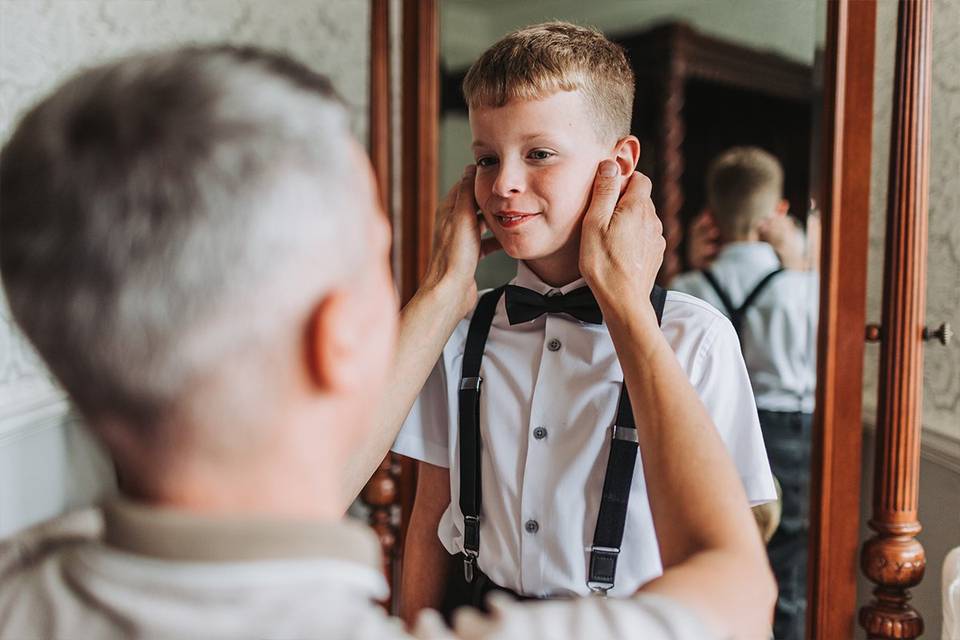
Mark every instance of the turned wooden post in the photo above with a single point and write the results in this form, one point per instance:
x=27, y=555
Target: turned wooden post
x=894, y=559
x=381, y=493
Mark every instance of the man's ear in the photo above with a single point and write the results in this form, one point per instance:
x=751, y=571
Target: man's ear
x=332, y=339
x=627, y=155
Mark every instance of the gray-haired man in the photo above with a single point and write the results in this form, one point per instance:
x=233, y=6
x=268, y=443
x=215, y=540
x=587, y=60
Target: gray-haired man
x=192, y=242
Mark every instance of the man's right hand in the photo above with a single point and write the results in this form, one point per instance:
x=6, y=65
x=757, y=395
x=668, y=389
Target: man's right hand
x=458, y=245
x=621, y=246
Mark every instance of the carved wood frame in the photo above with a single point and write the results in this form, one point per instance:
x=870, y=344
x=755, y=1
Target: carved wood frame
x=846, y=149
x=838, y=431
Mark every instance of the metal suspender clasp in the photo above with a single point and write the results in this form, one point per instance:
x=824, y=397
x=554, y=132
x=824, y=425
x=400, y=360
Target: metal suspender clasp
x=625, y=433
x=471, y=383
x=471, y=545
x=603, y=563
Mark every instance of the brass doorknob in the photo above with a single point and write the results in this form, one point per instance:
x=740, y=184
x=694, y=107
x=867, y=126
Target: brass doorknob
x=943, y=334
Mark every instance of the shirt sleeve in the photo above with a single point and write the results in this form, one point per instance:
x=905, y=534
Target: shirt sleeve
x=646, y=616
x=722, y=382
x=425, y=434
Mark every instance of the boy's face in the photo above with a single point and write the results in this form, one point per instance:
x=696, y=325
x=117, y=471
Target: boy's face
x=536, y=162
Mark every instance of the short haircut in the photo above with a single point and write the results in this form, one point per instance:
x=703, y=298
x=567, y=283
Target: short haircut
x=744, y=185
x=165, y=217
x=537, y=61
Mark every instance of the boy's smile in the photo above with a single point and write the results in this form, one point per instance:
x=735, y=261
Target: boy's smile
x=536, y=162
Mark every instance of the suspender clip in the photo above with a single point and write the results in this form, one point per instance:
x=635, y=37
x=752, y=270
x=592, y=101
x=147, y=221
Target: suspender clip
x=603, y=567
x=469, y=561
x=470, y=383
x=625, y=433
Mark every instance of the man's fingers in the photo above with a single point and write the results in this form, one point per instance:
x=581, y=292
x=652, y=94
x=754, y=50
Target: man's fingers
x=449, y=201
x=638, y=189
x=606, y=191
x=465, y=198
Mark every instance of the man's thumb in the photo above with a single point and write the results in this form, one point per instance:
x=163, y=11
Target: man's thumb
x=606, y=191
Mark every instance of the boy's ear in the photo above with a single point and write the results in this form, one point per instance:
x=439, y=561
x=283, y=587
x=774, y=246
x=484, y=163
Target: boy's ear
x=627, y=155
x=783, y=207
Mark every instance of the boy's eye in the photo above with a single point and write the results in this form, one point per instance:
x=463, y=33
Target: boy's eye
x=486, y=161
x=541, y=154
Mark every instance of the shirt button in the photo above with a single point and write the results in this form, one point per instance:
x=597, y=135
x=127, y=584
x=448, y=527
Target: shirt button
x=554, y=345
x=532, y=526
x=540, y=433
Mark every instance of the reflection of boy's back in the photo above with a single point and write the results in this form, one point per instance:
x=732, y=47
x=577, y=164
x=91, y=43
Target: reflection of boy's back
x=778, y=330
x=775, y=313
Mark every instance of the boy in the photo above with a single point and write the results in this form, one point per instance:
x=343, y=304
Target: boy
x=760, y=278
x=547, y=105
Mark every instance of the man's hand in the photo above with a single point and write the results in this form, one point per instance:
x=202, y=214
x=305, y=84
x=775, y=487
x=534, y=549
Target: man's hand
x=621, y=248
x=703, y=241
x=787, y=239
x=458, y=246
x=446, y=295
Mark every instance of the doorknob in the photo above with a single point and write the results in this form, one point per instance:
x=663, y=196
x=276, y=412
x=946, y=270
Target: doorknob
x=943, y=333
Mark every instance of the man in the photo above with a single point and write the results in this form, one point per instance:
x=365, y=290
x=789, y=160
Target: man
x=192, y=242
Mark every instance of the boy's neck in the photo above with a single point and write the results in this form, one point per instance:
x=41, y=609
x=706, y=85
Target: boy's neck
x=751, y=236
x=557, y=270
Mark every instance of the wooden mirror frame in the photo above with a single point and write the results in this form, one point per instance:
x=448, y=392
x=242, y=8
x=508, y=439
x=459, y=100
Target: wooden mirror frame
x=846, y=163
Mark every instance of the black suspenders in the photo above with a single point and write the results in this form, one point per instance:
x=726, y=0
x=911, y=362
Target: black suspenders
x=612, y=516
x=737, y=314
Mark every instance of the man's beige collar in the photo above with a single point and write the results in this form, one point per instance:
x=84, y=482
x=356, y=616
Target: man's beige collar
x=191, y=537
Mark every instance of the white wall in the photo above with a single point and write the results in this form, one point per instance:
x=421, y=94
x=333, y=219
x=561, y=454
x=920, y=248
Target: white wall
x=47, y=463
x=940, y=440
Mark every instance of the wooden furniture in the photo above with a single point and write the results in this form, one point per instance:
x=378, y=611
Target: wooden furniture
x=389, y=493
x=697, y=96
x=845, y=199
x=894, y=559
x=843, y=176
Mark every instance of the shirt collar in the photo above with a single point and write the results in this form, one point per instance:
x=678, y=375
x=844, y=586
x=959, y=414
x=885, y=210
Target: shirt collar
x=171, y=534
x=528, y=279
x=750, y=255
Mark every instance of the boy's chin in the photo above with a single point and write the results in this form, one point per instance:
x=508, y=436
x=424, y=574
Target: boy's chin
x=527, y=254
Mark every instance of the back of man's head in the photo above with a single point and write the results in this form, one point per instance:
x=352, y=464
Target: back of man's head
x=165, y=223
x=744, y=186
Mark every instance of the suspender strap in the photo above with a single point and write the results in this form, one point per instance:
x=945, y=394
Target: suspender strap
x=469, y=416
x=608, y=536
x=737, y=314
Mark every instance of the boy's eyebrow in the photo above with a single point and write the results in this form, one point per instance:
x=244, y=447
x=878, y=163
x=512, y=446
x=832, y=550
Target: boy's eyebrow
x=526, y=138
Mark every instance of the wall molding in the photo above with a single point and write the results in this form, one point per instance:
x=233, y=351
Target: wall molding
x=31, y=418
x=936, y=447
x=940, y=449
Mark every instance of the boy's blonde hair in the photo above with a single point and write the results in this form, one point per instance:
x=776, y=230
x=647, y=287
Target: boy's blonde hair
x=537, y=61
x=744, y=186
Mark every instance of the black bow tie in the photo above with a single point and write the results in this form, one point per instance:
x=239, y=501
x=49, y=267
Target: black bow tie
x=524, y=305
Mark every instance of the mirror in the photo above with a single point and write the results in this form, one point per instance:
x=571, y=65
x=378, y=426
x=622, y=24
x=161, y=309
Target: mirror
x=710, y=77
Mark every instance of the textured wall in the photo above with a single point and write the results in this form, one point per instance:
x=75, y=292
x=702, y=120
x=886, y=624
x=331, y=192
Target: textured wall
x=941, y=406
x=41, y=43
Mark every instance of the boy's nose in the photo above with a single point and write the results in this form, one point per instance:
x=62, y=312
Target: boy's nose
x=510, y=180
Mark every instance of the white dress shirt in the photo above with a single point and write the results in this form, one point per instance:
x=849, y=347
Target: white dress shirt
x=779, y=332
x=550, y=391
